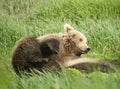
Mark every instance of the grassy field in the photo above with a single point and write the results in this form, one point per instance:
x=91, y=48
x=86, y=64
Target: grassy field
x=99, y=20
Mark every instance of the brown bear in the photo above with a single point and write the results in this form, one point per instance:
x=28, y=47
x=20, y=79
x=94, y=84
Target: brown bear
x=60, y=50
x=49, y=51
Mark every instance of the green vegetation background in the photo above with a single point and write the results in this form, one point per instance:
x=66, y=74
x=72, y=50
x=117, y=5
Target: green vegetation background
x=99, y=20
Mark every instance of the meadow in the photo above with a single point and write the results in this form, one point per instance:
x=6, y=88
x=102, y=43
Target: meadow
x=99, y=20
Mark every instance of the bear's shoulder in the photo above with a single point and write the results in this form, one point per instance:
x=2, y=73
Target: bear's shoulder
x=57, y=36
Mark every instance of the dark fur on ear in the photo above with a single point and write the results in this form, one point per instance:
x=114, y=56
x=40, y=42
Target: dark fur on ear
x=49, y=47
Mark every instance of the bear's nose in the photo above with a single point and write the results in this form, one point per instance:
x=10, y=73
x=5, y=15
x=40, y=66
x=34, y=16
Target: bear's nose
x=88, y=49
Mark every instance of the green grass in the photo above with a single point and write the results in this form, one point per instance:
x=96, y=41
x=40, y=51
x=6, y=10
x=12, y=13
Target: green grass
x=99, y=20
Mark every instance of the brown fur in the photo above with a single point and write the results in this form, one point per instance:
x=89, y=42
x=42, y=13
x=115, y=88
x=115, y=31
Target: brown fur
x=72, y=45
x=30, y=54
x=22, y=53
x=49, y=51
x=89, y=65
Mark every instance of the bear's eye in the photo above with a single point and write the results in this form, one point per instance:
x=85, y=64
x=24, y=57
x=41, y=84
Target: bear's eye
x=73, y=35
x=80, y=40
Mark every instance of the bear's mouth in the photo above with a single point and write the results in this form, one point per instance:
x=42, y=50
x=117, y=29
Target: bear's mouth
x=78, y=54
x=81, y=52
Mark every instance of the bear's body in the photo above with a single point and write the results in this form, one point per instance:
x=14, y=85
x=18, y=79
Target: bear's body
x=49, y=51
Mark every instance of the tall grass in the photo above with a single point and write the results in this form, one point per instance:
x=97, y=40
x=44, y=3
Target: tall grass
x=99, y=20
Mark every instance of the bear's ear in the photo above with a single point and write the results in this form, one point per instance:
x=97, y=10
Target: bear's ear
x=49, y=47
x=68, y=28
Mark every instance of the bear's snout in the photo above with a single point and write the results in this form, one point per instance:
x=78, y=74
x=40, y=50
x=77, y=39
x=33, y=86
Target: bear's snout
x=86, y=50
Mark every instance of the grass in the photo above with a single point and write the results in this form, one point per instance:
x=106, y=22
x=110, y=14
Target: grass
x=99, y=20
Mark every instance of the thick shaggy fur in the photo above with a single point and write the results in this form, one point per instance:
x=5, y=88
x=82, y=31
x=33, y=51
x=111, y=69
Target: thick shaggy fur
x=49, y=51
x=30, y=54
x=72, y=44
x=61, y=50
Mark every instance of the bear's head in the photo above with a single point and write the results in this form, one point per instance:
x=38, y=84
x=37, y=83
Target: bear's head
x=75, y=41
